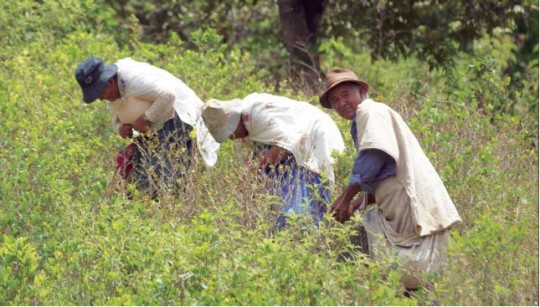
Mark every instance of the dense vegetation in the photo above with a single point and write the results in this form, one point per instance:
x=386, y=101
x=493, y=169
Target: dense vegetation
x=71, y=236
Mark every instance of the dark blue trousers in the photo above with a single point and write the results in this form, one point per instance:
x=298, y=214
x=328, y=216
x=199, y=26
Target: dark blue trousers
x=163, y=158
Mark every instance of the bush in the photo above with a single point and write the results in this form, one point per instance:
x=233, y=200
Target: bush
x=73, y=237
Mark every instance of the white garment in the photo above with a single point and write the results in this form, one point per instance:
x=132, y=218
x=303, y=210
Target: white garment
x=129, y=110
x=166, y=93
x=431, y=209
x=413, y=211
x=299, y=127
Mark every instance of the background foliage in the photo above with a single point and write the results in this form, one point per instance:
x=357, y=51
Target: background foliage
x=70, y=235
x=432, y=31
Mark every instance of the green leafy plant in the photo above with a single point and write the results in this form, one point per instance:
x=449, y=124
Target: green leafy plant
x=72, y=236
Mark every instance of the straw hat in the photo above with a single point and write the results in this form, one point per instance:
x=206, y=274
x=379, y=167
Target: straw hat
x=335, y=77
x=221, y=117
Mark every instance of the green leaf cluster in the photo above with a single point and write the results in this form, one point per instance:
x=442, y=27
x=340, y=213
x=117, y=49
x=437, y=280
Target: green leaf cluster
x=72, y=236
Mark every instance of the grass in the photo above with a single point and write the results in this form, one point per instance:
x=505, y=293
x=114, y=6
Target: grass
x=71, y=236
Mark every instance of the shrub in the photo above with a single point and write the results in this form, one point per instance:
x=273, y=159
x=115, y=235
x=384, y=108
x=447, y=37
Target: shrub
x=72, y=236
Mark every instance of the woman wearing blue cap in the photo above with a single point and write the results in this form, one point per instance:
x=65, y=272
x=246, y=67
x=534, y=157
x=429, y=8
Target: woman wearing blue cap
x=156, y=107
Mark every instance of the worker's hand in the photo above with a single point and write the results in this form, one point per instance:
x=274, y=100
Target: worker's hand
x=358, y=204
x=141, y=124
x=340, y=209
x=125, y=131
x=254, y=167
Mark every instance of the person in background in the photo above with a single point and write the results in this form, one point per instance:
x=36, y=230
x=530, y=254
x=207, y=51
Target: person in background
x=154, y=109
x=298, y=141
x=413, y=211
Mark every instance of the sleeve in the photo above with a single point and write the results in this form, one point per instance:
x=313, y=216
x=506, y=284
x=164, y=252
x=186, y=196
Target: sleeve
x=148, y=84
x=367, y=166
x=115, y=121
x=160, y=110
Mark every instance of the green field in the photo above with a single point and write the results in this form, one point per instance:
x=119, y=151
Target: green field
x=71, y=236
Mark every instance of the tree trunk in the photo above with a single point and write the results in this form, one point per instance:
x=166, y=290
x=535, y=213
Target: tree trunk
x=300, y=20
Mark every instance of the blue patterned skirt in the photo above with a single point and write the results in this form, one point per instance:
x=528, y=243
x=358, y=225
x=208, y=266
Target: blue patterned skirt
x=163, y=157
x=301, y=191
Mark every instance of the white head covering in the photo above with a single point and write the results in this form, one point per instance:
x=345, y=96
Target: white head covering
x=221, y=117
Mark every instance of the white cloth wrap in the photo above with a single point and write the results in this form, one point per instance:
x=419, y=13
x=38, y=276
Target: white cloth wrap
x=413, y=210
x=299, y=127
x=379, y=127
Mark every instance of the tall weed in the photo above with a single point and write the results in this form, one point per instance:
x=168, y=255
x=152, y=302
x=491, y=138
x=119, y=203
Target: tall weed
x=73, y=236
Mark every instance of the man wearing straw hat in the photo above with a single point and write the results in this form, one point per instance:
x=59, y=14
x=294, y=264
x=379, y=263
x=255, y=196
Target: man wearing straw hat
x=154, y=108
x=413, y=210
x=299, y=140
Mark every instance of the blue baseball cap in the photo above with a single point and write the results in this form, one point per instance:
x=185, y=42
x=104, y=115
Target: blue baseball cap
x=92, y=75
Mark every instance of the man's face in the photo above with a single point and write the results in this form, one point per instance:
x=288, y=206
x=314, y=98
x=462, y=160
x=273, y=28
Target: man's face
x=111, y=92
x=345, y=99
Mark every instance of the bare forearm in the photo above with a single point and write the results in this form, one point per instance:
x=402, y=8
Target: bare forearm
x=161, y=108
x=341, y=207
x=350, y=191
x=274, y=155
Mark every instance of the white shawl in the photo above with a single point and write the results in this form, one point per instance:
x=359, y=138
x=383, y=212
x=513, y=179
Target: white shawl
x=297, y=126
x=379, y=127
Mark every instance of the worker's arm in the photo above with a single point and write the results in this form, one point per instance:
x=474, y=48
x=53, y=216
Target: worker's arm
x=272, y=157
x=340, y=207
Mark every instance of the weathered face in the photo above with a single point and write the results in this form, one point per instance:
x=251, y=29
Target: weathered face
x=240, y=132
x=345, y=99
x=111, y=92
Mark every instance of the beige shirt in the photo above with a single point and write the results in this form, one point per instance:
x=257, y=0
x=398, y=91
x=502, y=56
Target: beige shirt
x=148, y=90
x=156, y=93
x=127, y=111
